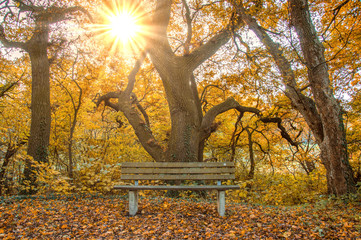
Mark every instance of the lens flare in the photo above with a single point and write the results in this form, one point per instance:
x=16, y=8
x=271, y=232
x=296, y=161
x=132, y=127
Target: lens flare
x=124, y=26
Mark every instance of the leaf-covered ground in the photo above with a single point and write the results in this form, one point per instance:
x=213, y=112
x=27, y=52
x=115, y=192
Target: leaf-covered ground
x=165, y=218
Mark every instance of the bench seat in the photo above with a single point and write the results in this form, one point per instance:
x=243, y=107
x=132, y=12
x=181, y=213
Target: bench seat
x=178, y=187
x=176, y=172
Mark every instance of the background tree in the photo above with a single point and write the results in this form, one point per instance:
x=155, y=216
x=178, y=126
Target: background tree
x=13, y=74
x=321, y=111
x=36, y=45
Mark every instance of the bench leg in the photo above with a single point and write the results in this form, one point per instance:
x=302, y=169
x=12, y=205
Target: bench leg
x=133, y=202
x=221, y=203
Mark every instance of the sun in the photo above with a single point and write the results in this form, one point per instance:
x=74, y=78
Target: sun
x=123, y=26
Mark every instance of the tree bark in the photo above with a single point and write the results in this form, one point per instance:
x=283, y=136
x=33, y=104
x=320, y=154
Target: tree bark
x=251, y=154
x=40, y=100
x=333, y=145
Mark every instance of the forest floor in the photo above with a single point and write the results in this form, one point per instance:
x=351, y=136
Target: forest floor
x=167, y=218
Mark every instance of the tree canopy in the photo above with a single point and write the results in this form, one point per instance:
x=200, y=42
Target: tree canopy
x=270, y=85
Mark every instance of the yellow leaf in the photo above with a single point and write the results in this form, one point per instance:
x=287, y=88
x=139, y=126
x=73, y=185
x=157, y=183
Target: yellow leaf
x=287, y=234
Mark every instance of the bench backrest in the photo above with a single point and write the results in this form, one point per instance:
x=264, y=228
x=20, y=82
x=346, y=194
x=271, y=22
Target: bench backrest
x=178, y=171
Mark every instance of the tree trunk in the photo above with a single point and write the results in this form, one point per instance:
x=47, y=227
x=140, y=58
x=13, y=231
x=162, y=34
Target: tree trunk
x=9, y=153
x=251, y=154
x=185, y=113
x=40, y=104
x=333, y=144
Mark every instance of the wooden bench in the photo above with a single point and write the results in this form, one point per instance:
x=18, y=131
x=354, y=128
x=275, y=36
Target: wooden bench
x=177, y=171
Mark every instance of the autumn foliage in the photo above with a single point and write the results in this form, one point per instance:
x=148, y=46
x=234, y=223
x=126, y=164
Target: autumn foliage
x=243, y=99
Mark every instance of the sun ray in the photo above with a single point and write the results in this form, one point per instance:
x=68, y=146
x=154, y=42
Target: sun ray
x=123, y=26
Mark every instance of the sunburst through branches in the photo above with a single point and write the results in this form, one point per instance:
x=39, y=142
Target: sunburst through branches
x=124, y=25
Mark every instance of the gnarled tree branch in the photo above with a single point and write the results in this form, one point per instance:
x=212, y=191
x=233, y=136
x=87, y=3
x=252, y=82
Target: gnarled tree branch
x=283, y=130
x=212, y=113
x=106, y=99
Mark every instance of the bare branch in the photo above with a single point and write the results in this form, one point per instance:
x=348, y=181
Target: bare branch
x=336, y=10
x=6, y=88
x=284, y=132
x=204, y=92
x=133, y=73
x=10, y=44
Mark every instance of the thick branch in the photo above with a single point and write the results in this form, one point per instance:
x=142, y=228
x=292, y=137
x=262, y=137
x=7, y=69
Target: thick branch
x=162, y=16
x=204, y=52
x=134, y=115
x=28, y=8
x=160, y=23
x=141, y=109
x=141, y=127
x=106, y=99
x=212, y=113
x=312, y=49
x=54, y=14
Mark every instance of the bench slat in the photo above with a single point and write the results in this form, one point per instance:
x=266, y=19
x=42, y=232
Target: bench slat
x=194, y=188
x=175, y=164
x=178, y=177
x=177, y=170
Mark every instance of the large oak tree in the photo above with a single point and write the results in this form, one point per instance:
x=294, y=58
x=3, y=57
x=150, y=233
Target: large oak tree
x=190, y=127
